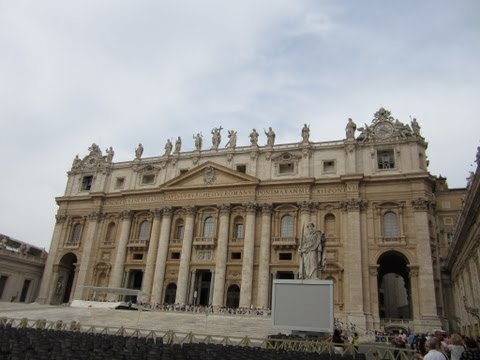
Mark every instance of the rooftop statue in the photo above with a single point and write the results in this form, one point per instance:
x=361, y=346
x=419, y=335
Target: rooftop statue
x=168, y=147
x=139, y=151
x=232, y=139
x=178, y=145
x=110, y=154
x=198, y=141
x=216, y=137
x=270, y=136
x=305, y=133
x=254, y=138
x=350, y=129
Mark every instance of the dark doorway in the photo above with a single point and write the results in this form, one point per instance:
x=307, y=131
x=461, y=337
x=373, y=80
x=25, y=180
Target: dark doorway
x=233, y=297
x=201, y=294
x=25, y=288
x=66, y=274
x=394, y=289
x=170, y=293
x=134, y=281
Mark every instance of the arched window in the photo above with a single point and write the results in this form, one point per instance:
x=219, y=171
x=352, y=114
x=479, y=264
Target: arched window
x=208, y=227
x=111, y=230
x=179, y=229
x=76, y=232
x=286, y=227
x=330, y=226
x=238, y=228
x=390, y=225
x=144, y=230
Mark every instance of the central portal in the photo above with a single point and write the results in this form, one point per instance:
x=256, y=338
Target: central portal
x=202, y=287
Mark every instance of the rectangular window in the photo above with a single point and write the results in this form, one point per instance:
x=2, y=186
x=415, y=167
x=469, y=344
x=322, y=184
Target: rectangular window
x=3, y=282
x=385, y=159
x=148, y=179
x=137, y=256
x=329, y=166
x=87, y=182
x=287, y=168
x=183, y=171
x=242, y=168
x=119, y=183
x=175, y=255
x=236, y=255
x=285, y=256
x=446, y=205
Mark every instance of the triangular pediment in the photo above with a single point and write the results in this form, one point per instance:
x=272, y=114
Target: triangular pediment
x=207, y=175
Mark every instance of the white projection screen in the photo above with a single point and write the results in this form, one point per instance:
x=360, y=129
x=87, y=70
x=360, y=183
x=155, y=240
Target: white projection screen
x=303, y=305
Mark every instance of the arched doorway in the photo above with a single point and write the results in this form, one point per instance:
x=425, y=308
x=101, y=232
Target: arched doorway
x=233, y=297
x=170, y=293
x=394, y=288
x=66, y=274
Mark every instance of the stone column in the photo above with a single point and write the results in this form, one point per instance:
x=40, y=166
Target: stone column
x=414, y=300
x=117, y=271
x=427, y=302
x=184, y=270
x=47, y=287
x=247, y=265
x=373, y=282
x=305, y=216
x=159, y=274
x=353, y=261
x=193, y=276
x=264, y=266
x=221, y=257
x=212, y=287
x=86, y=263
x=151, y=256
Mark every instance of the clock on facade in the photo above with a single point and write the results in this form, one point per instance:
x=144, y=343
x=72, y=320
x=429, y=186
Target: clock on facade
x=383, y=130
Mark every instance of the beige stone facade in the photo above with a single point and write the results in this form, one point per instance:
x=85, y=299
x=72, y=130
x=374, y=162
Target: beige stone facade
x=21, y=269
x=462, y=266
x=215, y=226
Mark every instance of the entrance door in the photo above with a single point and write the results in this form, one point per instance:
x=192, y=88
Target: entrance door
x=203, y=280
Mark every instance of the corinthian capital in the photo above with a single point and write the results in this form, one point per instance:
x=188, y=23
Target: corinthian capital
x=420, y=204
x=251, y=207
x=353, y=204
x=126, y=215
x=224, y=208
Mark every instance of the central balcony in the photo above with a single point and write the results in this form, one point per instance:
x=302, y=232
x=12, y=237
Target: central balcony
x=284, y=243
x=204, y=242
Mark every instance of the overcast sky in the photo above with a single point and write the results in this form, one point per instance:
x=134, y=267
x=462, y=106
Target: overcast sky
x=118, y=73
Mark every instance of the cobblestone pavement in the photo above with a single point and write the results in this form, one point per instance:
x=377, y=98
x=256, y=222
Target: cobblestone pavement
x=258, y=327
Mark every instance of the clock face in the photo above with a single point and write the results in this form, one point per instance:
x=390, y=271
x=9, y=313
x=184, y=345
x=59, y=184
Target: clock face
x=383, y=130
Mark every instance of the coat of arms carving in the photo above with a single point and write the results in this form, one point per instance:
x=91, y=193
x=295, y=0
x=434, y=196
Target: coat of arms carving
x=210, y=175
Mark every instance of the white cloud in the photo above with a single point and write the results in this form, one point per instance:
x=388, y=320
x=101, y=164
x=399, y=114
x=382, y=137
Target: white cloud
x=118, y=73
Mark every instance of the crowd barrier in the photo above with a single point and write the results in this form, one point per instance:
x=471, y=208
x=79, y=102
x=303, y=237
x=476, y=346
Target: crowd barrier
x=22, y=339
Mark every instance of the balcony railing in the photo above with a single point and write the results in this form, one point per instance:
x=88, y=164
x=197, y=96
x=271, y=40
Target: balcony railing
x=135, y=243
x=205, y=242
x=285, y=242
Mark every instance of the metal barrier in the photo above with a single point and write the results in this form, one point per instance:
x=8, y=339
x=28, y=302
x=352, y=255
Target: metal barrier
x=371, y=351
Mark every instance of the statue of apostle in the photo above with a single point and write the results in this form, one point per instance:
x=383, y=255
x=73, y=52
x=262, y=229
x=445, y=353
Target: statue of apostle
x=312, y=253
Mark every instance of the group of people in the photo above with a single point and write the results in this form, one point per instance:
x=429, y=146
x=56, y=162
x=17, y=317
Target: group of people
x=208, y=309
x=439, y=346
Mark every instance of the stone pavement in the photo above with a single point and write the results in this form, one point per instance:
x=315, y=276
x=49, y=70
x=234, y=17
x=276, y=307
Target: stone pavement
x=255, y=327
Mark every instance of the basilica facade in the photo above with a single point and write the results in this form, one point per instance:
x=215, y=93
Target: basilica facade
x=214, y=226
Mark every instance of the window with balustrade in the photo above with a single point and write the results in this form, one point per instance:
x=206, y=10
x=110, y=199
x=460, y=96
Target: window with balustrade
x=209, y=227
